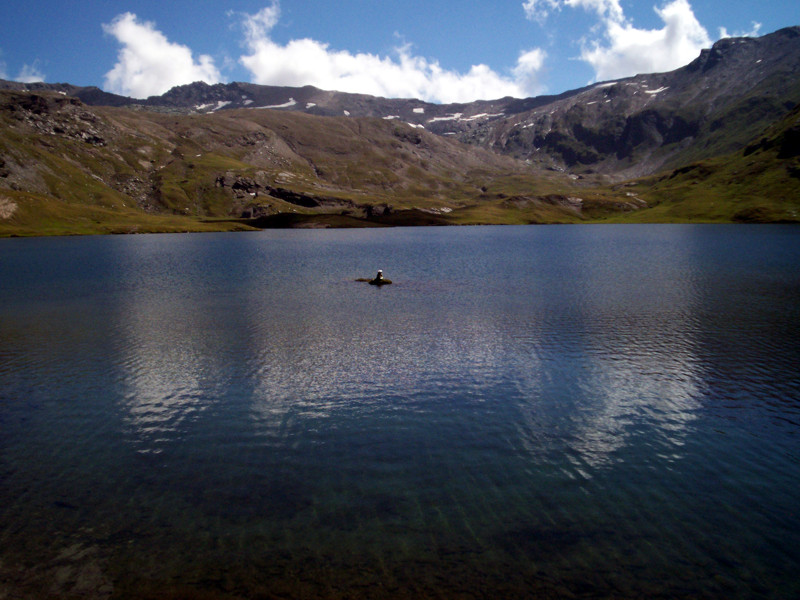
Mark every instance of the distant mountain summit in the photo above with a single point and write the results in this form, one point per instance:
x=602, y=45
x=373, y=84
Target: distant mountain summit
x=641, y=124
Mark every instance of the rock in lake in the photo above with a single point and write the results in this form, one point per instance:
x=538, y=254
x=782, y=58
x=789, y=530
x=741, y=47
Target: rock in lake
x=379, y=279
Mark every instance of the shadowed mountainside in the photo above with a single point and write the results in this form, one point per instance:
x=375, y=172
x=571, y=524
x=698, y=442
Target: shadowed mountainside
x=758, y=184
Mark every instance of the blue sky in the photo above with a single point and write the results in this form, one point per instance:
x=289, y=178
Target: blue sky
x=438, y=50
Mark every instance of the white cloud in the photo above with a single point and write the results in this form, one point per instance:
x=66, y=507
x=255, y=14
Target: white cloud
x=27, y=74
x=529, y=66
x=30, y=73
x=539, y=10
x=311, y=62
x=630, y=50
x=149, y=64
x=625, y=50
x=608, y=9
x=754, y=32
x=260, y=24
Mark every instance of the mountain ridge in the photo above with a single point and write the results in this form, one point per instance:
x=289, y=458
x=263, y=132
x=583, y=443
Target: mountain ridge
x=624, y=128
x=630, y=149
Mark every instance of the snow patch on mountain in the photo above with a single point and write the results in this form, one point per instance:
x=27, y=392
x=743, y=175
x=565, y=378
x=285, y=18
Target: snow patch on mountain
x=288, y=104
x=483, y=116
x=452, y=117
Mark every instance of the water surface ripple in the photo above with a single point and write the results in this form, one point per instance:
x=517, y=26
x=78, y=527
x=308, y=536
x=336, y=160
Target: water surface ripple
x=592, y=411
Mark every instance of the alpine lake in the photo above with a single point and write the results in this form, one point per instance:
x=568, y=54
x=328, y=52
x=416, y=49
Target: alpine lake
x=589, y=411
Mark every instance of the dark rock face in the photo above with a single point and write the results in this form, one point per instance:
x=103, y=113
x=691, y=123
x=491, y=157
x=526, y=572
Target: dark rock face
x=377, y=210
x=242, y=187
x=790, y=144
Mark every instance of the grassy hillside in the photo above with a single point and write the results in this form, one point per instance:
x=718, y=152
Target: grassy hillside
x=66, y=168
x=69, y=168
x=758, y=184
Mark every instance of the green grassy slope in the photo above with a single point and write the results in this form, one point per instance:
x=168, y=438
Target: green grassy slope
x=758, y=184
x=66, y=168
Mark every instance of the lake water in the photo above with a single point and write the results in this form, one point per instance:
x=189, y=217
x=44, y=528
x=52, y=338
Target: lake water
x=527, y=412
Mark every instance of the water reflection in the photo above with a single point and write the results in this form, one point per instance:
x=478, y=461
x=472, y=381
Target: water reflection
x=585, y=377
x=610, y=351
x=174, y=349
x=163, y=374
x=588, y=403
x=645, y=377
x=321, y=361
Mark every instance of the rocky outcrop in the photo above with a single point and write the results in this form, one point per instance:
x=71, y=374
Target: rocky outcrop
x=259, y=186
x=56, y=115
